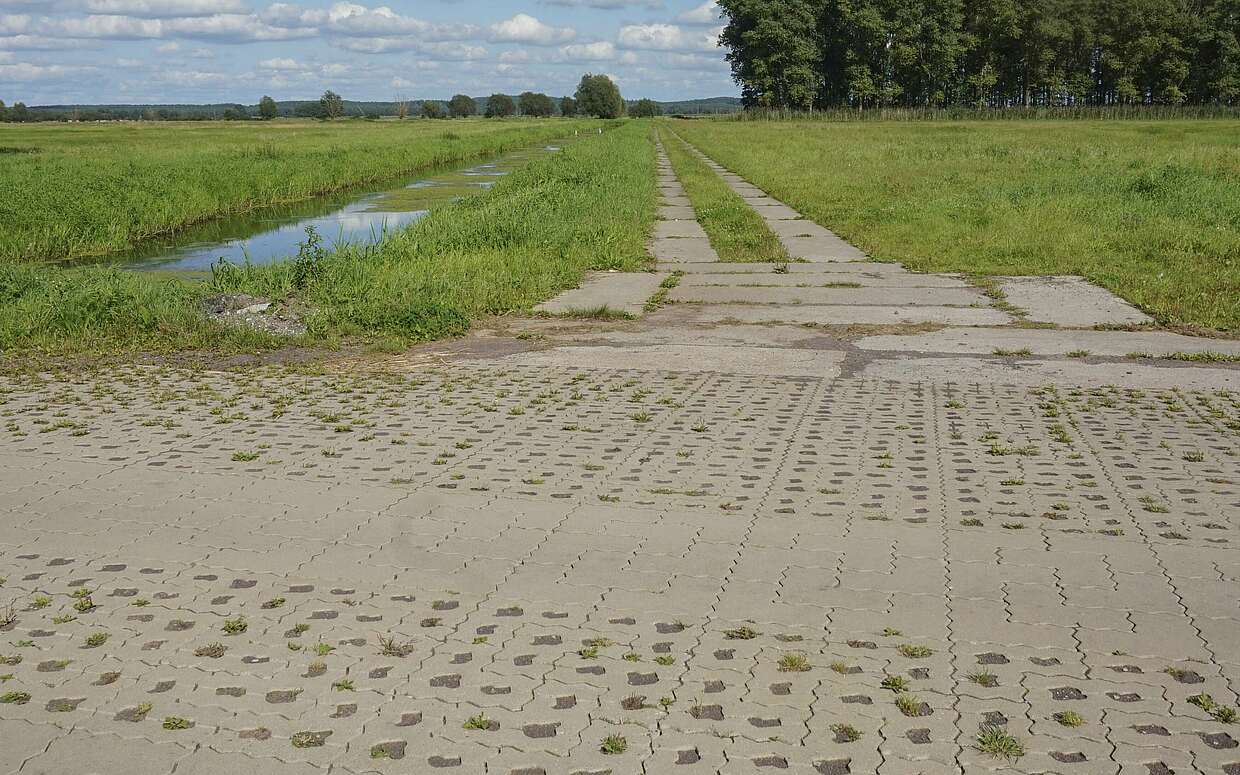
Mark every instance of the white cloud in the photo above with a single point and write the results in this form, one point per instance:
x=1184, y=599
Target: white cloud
x=24, y=72
x=169, y=48
x=38, y=43
x=281, y=63
x=7, y=56
x=524, y=28
x=706, y=13
x=589, y=52
x=667, y=37
x=164, y=8
x=608, y=4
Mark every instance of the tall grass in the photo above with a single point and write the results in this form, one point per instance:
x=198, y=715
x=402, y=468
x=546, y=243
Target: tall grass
x=88, y=189
x=533, y=234
x=1150, y=210
x=736, y=231
x=590, y=206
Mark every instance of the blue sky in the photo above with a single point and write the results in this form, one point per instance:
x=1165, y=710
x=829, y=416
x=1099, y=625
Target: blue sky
x=74, y=51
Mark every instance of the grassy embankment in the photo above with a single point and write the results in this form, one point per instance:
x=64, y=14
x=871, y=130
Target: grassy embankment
x=78, y=190
x=1150, y=210
x=534, y=233
x=735, y=229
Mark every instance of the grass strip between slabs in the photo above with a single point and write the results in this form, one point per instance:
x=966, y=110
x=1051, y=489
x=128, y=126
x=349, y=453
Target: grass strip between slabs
x=736, y=231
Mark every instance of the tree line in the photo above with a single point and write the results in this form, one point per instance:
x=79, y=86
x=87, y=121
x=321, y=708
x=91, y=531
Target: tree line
x=596, y=95
x=811, y=54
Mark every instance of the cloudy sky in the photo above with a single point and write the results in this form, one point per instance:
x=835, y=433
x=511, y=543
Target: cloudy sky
x=93, y=51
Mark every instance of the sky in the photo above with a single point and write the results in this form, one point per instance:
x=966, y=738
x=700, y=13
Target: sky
x=192, y=51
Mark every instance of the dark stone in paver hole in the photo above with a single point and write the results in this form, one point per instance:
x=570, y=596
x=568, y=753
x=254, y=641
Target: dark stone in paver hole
x=779, y=690
x=833, y=767
x=690, y=756
x=452, y=681
x=1067, y=693
x=564, y=703
x=643, y=679
x=1044, y=661
x=995, y=718
x=64, y=704
x=282, y=696
x=1075, y=757
x=444, y=761
x=711, y=712
x=856, y=699
x=764, y=723
x=394, y=749
x=1124, y=696
x=1151, y=729
x=537, y=731
x=778, y=762
x=528, y=771
x=992, y=659
x=410, y=719
x=1158, y=768
x=1231, y=769
x=919, y=736
x=1218, y=740
x=259, y=733
x=1127, y=669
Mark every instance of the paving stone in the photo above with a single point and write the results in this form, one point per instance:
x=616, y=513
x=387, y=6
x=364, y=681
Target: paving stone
x=1068, y=301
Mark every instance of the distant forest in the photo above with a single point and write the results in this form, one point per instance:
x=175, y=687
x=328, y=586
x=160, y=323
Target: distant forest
x=289, y=108
x=812, y=54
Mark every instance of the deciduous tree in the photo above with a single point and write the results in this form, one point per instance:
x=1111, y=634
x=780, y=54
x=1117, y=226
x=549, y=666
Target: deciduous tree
x=331, y=105
x=536, y=104
x=646, y=108
x=598, y=96
x=500, y=106
x=462, y=106
x=267, y=109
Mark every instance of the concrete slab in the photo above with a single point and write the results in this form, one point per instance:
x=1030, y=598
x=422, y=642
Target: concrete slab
x=728, y=359
x=829, y=296
x=821, y=278
x=821, y=249
x=682, y=229
x=845, y=314
x=672, y=250
x=1050, y=342
x=793, y=229
x=794, y=267
x=676, y=212
x=1032, y=373
x=1069, y=301
x=621, y=291
x=777, y=212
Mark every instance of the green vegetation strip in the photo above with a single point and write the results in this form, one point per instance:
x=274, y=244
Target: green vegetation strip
x=90, y=189
x=735, y=229
x=1145, y=209
x=532, y=235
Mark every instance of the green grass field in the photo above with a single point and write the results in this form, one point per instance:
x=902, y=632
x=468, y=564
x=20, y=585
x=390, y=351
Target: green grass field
x=77, y=190
x=1150, y=210
x=533, y=234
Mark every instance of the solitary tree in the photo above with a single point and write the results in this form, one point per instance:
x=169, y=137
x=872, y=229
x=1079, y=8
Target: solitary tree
x=267, y=109
x=402, y=107
x=500, y=106
x=331, y=105
x=568, y=106
x=462, y=106
x=536, y=104
x=432, y=109
x=18, y=113
x=646, y=108
x=4, y=112
x=598, y=96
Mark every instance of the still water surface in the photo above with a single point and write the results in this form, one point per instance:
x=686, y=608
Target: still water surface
x=359, y=215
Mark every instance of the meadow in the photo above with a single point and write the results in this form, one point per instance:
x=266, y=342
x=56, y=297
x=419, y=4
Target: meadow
x=531, y=235
x=68, y=190
x=1148, y=209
